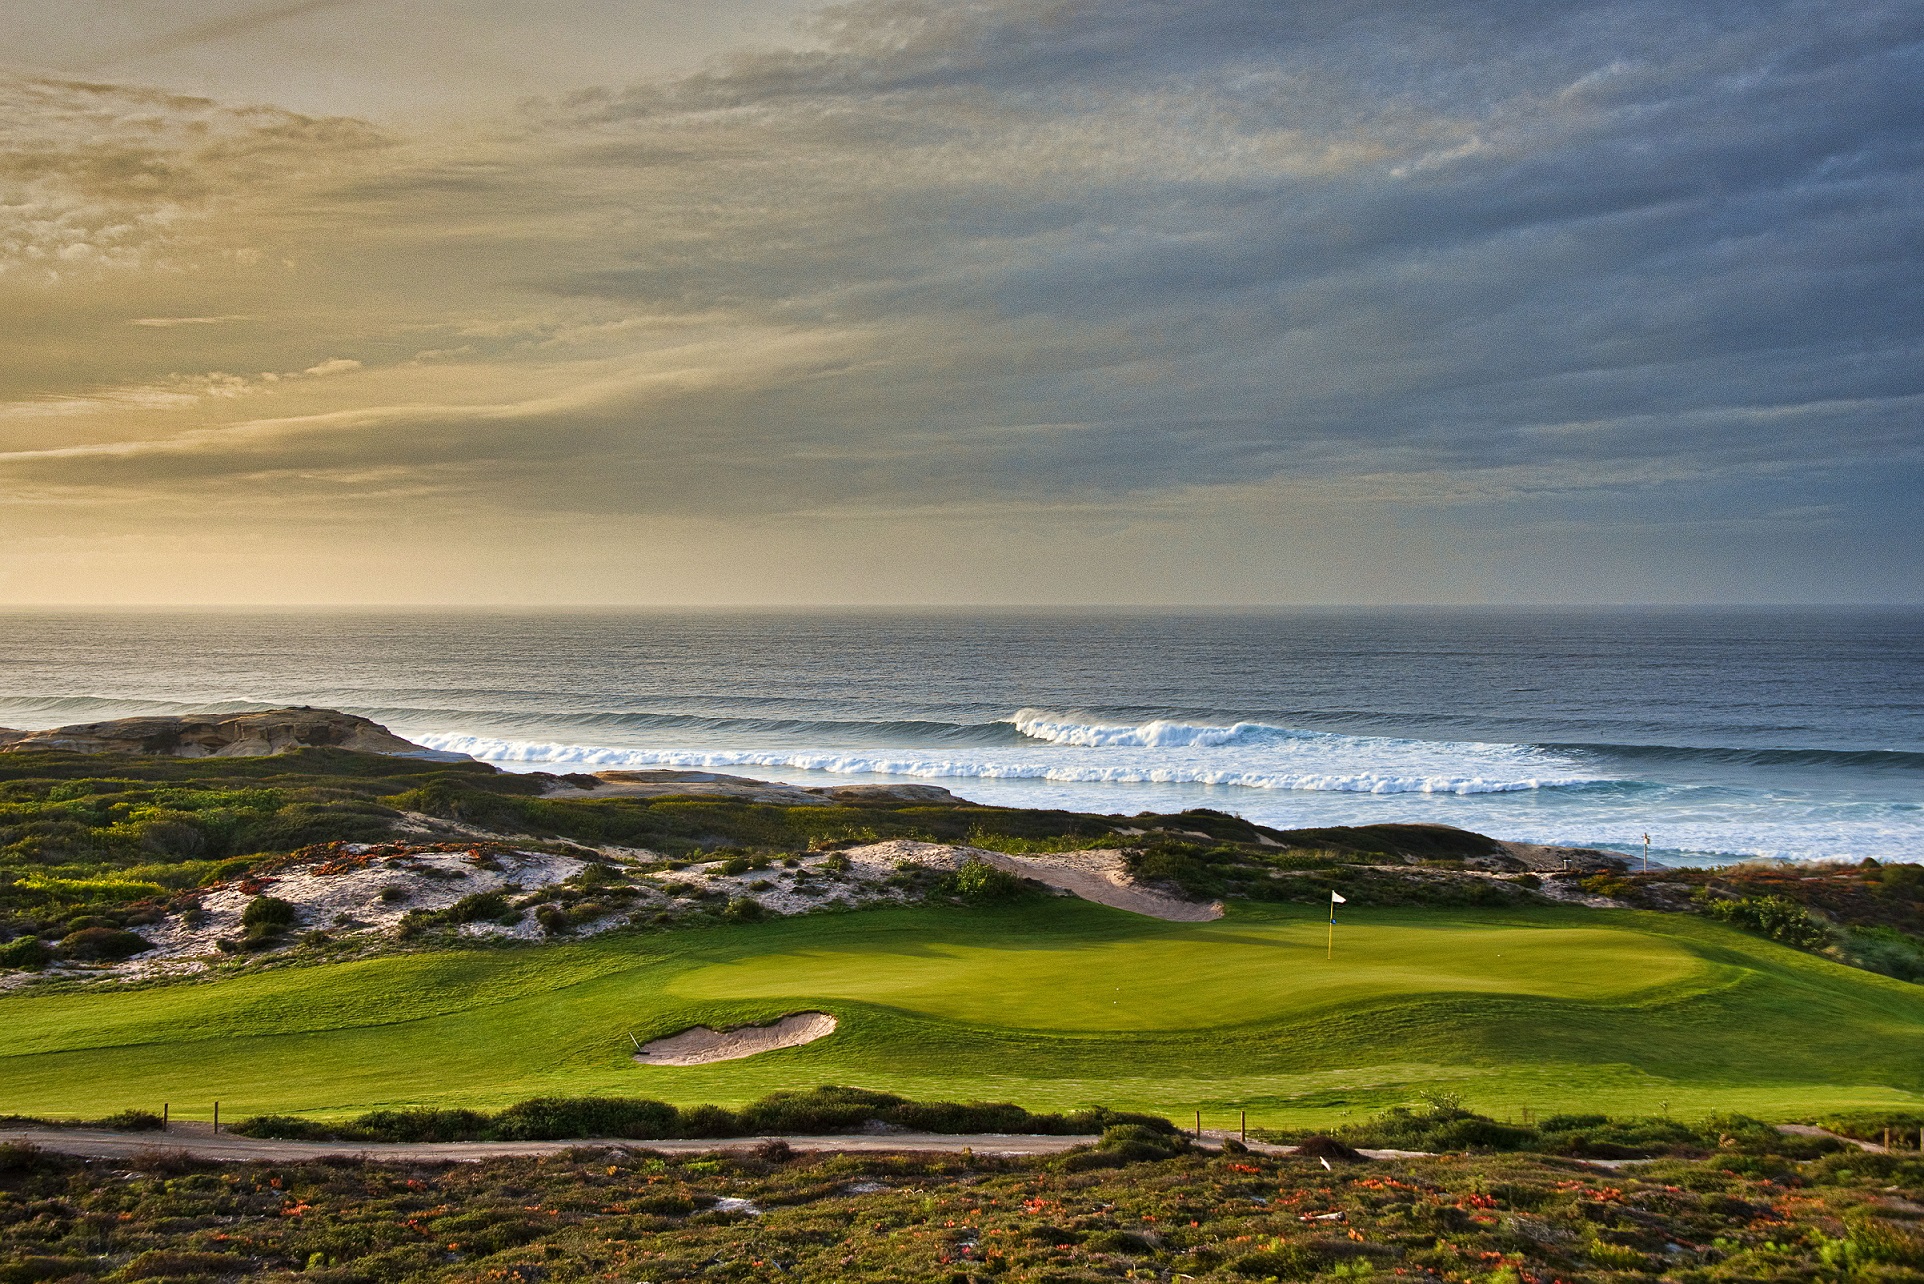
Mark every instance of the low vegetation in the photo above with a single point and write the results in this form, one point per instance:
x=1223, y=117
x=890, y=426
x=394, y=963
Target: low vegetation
x=1141, y=1205
x=1869, y=915
x=812, y=1111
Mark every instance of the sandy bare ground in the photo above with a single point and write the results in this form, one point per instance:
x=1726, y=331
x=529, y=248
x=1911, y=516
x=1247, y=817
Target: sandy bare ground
x=198, y=1140
x=701, y=1045
x=1099, y=876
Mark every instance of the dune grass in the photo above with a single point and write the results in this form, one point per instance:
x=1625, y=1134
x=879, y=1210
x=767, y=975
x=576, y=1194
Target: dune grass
x=1054, y=1004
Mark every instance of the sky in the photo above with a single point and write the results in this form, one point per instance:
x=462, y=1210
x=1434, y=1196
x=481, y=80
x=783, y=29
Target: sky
x=1190, y=302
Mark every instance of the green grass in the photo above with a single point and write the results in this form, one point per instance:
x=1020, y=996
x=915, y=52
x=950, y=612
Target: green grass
x=1053, y=1004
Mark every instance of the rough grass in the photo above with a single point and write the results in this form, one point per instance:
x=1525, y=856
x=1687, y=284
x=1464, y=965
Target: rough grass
x=1052, y=1004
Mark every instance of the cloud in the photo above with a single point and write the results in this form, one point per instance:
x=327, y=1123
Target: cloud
x=163, y=323
x=107, y=177
x=1464, y=263
x=225, y=27
x=332, y=366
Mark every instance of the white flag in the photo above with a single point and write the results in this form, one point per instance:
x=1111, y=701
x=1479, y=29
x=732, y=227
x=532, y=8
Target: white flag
x=1336, y=899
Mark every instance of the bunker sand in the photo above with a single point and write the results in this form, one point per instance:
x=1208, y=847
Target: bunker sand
x=701, y=1045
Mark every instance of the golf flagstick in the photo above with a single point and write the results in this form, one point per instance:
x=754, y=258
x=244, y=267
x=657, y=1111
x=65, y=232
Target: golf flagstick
x=1335, y=899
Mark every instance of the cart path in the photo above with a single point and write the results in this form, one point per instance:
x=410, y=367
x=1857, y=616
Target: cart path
x=202, y=1142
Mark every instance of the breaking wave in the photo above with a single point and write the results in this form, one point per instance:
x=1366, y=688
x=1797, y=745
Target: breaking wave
x=1063, y=729
x=1355, y=780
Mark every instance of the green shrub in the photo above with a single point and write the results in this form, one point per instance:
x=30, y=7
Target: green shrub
x=1885, y=950
x=1118, y=1241
x=29, y=1270
x=161, y=1263
x=482, y=907
x=134, y=1121
x=553, y=1118
x=265, y=915
x=1778, y=917
x=1134, y=1141
x=824, y=1109
x=1845, y=1167
x=827, y=1109
x=1599, y=1137
x=1871, y=1125
x=983, y=883
x=423, y=1124
x=1284, y=1262
x=105, y=944
x=27, y=952
x=25, y=1157
x=1446, y=1126
x=1868, y=1243
x=744, y=909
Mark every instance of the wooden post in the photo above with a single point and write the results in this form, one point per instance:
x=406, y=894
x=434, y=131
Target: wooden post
x=1245, y=1127
x=217, y=1116
x=163, y=1116
x=1199, y=1125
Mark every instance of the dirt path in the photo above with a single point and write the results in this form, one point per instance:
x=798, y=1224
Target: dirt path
x=1811, y=1130
x=1101, y=876
x=200, y=1141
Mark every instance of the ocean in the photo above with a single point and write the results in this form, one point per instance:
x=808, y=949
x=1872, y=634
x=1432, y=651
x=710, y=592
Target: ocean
x=1786, y=733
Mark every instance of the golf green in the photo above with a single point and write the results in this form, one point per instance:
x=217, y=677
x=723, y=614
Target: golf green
x=1052, y=1004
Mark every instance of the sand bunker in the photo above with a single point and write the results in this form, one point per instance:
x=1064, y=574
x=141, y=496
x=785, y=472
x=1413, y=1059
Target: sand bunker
x=701, y=1045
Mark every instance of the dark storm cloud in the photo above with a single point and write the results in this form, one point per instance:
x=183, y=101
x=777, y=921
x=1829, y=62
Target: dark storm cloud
x=1551, y=217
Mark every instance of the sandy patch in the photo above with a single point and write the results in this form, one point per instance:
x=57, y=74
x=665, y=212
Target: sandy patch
x=362, y=890
x=701, y=1045
x=1100, y=876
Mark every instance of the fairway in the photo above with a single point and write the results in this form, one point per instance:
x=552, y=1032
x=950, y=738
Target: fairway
x=1053, y=1004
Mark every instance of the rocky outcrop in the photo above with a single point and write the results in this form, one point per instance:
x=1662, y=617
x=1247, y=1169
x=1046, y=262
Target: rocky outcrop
x=219, y=735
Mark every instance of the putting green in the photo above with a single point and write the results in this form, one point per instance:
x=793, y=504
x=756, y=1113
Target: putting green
x=1213, y=974
x=1054, y=1003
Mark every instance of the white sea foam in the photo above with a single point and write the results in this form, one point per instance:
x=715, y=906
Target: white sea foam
x=1063, y=729
x=1331, y=779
